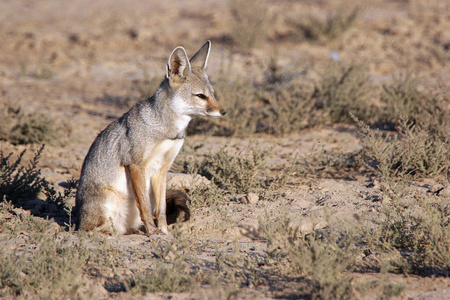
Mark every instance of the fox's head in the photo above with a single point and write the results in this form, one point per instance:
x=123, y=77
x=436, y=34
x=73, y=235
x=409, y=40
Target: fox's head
x=192, y=93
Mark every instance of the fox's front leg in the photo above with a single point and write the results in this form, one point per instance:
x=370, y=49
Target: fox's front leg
x=141, y=195
x=158, y=182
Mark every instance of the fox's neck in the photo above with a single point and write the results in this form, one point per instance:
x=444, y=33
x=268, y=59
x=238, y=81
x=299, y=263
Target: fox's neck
x=169, y=116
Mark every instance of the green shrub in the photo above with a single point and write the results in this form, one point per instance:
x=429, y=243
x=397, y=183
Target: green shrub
x=19, y=182
x=418, y=229
x=236, y=173
x=287, y=106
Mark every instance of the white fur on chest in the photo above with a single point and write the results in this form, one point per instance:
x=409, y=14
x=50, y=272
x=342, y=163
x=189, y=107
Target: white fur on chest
x=182, y=122
x=162, y=155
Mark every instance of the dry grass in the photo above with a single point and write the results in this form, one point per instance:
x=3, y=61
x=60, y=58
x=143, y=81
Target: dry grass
x=19, y=182
x=414, y=152
x=286, y=103
x=411, y=234
x=250, y=23
x=49, y=266
x=325, y=257
x=19, y=127
x=344, y=90
x=318, y=29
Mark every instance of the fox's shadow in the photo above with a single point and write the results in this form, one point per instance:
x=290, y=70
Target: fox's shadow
x=176, y=206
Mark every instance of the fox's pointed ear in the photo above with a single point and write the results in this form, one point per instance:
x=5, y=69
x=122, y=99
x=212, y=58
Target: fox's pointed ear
x=178, y=63
x=200, y=59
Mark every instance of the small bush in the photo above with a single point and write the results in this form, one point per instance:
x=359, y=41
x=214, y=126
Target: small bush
x=164, y=278
x=19, y=182
x=414, y=228
x=418, y=228
x=206, y=195
x=404, y=100
x=320, y=163
x=170, y=273
x=315, y=28
x=234, y=173
x=325, y=258
x=417, y=152
x=287, y=103
x=50, y=269
x=62, y=201
x=342, y=91
x=26, y=128
x=237, y=173
x=250, y=23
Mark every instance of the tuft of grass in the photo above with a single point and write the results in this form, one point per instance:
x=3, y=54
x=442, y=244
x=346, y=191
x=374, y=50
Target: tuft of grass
x=287, y=103
x=342, y=91
x=51, y=268
x=416, y=152
x=27, y=128
x=240, y=173
x=250, y=23
x=19, y=182
x=315, y=28
x=404, y=100
x=170, y=273
x=43, y=71
x=325, y=257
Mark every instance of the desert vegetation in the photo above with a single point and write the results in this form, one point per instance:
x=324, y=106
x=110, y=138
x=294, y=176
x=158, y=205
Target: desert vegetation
x=327, y=179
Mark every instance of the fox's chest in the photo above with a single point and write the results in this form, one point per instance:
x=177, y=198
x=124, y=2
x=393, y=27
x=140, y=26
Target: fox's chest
x=162, y=155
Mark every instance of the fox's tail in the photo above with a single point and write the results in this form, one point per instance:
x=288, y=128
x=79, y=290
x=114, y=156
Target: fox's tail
x=177, y=206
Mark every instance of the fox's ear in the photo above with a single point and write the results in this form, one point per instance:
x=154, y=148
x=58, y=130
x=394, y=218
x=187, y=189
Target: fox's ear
x=200, y=59
x=178, y=63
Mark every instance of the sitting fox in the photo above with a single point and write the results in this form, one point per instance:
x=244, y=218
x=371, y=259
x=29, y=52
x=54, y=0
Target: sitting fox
x=122, y=187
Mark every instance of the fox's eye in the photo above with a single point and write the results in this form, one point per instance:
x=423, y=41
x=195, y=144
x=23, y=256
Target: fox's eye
x=201, y=96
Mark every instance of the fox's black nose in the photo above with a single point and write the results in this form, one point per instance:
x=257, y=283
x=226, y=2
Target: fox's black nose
x=223, y=112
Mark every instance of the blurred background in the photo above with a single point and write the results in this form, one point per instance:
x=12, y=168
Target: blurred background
x=338, y=110
x=311, y=62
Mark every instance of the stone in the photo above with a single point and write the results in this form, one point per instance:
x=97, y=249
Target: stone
x=185, y=182
x=252, y=198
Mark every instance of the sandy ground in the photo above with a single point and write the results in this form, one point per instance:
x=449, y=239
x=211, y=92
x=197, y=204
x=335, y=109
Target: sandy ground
x=94, y=50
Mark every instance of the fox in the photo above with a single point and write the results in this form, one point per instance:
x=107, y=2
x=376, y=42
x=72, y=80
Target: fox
x=122, y=187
